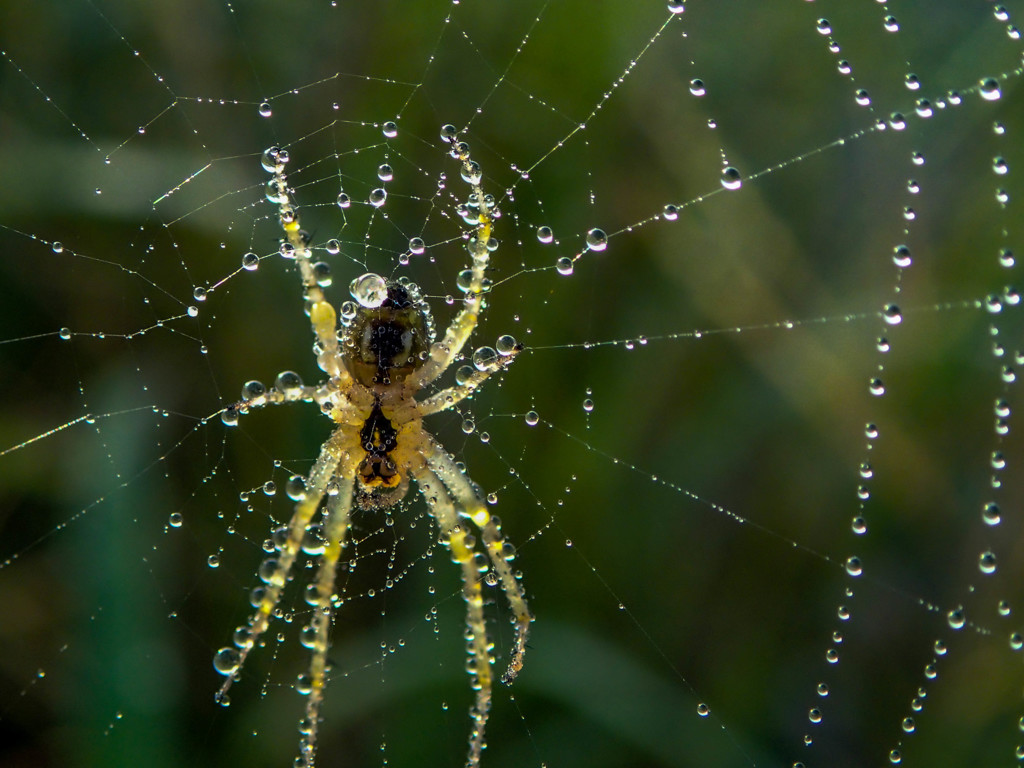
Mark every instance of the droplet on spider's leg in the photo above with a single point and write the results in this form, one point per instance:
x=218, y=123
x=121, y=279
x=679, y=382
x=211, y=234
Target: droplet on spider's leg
x=226, y=660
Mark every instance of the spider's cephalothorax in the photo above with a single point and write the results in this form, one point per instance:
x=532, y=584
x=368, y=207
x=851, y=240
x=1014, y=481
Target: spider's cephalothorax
x=378, y=361
x=383, y=343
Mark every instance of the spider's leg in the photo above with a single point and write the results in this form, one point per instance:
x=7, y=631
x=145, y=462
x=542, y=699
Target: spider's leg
x=443, y=352
x=321, y=596
x=296, y=245
x=499, y=551
x=463, y=551
x=274, y=571
x=446, y=398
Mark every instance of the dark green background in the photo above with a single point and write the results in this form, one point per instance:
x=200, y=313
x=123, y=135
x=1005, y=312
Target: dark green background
x=766, y=425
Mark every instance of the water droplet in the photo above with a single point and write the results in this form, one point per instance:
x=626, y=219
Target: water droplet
x=990, y=514
x=703, y=710
x=912, y=82
x=448, y=133
x=876, y=387
x=250, y=261
x=64, y=333
x=823, y=27
x=588, y=405
x=544, y=234
x=417, y=246
x=485, y=358
x=901, y=256
x=597, y=240
x=253, y=390
x=213, y=561
x=697, y=87
x=892, y=315
x=731, y=178
x=1000, y=166
x=265, y=110
x=175, y=520
x=295, y=488
x=532, y=418
x=670, y=213
x=369, y=289
x=471, y=173
x=304, y=684
x=385, y=172
x=955, y=618
x=890, y=24
x=226, y=660
x=322, y=274
x=987, y=562
x=506, y=345
x=389, y=129
x=564, y=265
x=814, y=715
x=57, y=247
x=862, y=98
x=343, y=201
x=676, y=6
x=853, y=566
x=990, y=89
x=378, y=197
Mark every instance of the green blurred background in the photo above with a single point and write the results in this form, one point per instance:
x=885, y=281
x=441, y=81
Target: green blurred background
x=707, y=497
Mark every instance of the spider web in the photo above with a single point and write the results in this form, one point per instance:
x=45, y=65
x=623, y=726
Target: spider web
x=727, y=564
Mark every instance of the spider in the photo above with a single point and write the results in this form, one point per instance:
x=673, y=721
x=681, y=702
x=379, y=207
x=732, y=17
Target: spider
x=377, y=360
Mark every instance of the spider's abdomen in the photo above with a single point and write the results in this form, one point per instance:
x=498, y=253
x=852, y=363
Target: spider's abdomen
x=380, y=483
x=387, y=342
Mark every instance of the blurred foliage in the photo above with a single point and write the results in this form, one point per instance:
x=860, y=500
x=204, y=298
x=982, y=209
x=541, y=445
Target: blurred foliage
x=684, y=542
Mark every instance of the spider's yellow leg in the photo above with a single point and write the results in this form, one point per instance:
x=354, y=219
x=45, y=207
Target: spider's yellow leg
x=446, y=398
x=336, y=523
x=296, y=245
x=443, y=352
x=274, y=570
x=499, y=551
x=463, y=551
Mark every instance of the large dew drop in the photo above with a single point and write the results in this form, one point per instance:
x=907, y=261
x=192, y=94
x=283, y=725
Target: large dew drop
x=226, y=660
x=597, y=240
x=989, y=89
x=731, y=178
x=370, y=290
